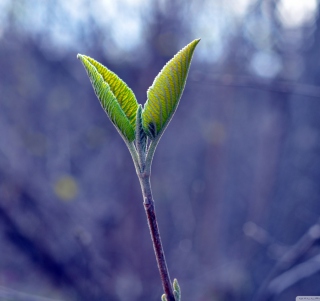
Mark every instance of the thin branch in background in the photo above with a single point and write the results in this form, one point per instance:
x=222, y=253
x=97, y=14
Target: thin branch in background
x=264, y=238
x=294, y=275
x=258, y=234
x=277, y=86
x=10, y=294
x=287, y=261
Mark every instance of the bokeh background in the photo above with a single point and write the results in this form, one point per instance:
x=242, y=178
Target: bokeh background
x=235, y=176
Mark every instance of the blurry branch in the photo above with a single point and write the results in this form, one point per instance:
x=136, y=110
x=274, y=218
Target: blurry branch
x=276, y=85
x=294, y=275
x=278, y=279
x=41, y=257
x=34, y=250
x=9, y=294
x=261, y=236
x=88, y=284
x=258, y=234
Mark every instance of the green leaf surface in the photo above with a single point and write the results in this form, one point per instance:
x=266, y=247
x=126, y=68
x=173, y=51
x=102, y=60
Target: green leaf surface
x=116, y=98
x=166, y=91
x=163, y=297
x=176, y=285
x=176, y=290
x=141, y=137
x=176, y=295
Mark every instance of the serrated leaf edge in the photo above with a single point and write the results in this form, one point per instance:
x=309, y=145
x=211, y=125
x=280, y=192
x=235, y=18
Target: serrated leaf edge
x=122, y=92
x=125, y=130
x=153, y=133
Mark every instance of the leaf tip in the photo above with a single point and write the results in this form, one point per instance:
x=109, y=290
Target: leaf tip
x=163, y=297
x=195, y=42
x=79, y=56
x=176, y=285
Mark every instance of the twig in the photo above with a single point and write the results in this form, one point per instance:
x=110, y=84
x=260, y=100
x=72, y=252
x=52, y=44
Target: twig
x=142, y=163
x=155, y=235
x=6, y=293
x=277, y=86
x=158, y=249
x=289, y=259
x=294, y=275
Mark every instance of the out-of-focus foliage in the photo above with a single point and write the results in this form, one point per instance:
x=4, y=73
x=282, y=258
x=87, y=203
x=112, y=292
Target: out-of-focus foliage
x=242, y=150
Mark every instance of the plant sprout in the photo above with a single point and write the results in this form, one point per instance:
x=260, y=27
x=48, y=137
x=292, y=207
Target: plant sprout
x=142, y=128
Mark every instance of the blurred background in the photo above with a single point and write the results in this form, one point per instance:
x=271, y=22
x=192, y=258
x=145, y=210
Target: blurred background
x=235, y=176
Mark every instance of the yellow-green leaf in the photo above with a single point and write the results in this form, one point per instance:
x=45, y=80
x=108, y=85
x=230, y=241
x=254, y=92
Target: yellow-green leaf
x=166, y=91
x=116, y=98
x=141, y=137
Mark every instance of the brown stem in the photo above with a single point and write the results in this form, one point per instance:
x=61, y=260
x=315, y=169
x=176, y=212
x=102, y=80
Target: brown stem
x=158, y=249
x=143, y=173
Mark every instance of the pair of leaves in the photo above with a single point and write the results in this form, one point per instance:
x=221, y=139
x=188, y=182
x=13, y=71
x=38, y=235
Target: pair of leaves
x=120, y=104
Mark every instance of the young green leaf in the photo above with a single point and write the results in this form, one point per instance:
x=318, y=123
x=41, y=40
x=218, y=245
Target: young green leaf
x=166, y=91
x=116, y=98
x=163, y=297
x=141, y=137
x=176, y=296
x=176, y=290
x=176, y=285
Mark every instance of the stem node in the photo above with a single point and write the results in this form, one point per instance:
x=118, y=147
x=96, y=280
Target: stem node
x=144, y=175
